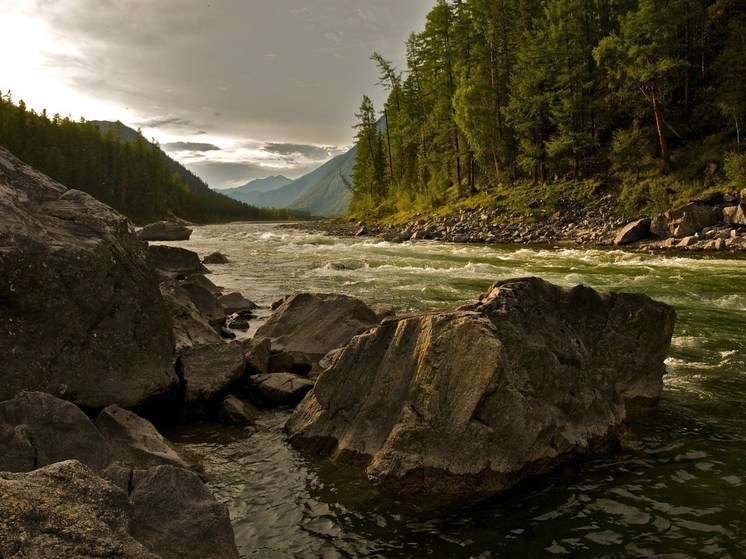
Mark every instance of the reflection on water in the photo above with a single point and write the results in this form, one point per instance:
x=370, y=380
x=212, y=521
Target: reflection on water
x=676, y=490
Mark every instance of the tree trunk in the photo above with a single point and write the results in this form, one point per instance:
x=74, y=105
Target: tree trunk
x=658, y=110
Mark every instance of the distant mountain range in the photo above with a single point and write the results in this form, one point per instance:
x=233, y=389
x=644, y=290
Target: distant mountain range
x=321, y=192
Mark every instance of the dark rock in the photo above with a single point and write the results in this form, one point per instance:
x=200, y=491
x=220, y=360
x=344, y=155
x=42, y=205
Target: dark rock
x=38, y=429
x=203, y=281
x=64, y=510
x=237, y=411
x=476, y=399
x=316, y=323
x=174, y=259
x=239, y=324
x=257, y=353
x=226, y=334
x=164, y=231
x=215, y=258
x=236, y=303
x=177, y=517
x=295, y=362
x=208, y=372
x=80, y=310
x=190, y=328
x=685, y=221
x=383, y=310
x=633, y=232
x=134, y=441
x=281, y=389
x=206, y=303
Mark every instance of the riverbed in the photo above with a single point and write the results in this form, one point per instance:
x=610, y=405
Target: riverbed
x=677, y=488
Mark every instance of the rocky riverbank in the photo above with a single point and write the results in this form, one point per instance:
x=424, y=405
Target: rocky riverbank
x=715, y=223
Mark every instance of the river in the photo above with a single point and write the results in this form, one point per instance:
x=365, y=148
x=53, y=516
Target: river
x=676, y=490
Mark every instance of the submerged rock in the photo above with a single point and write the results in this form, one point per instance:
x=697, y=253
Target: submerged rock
x=80, y=312
x=479, y=398
x=164, y=231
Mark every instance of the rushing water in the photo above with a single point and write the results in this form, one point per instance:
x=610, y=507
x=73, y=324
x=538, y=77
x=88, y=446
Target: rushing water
x=676, y=490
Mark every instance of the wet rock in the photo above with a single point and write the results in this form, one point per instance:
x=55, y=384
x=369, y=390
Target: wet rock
x=476, y=399
x=208, y=373
x=633, y=232
x=80, y=310
x=38, y=429
x=134, y=441
x=295, y=362
x=280, y=389
x=316, y=323
x=236, y=303
x=174, y=259
x=64, y=510
x=383, y=310
x=203, y=281
x=239, y=324
x=257, y=353
x=177, y=517
x=190, y=328
x=237, y=411
x=215, y=258
x=164, y=231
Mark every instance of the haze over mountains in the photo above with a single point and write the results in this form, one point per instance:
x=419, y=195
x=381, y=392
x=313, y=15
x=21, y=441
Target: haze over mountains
x=322, y=192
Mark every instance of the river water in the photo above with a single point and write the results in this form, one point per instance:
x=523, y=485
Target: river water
x=676, y=490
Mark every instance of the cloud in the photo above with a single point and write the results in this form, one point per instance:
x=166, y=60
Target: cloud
x=189, y=146
x=316, y=153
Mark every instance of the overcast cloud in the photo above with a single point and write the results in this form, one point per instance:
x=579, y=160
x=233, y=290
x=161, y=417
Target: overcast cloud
x=285, y=76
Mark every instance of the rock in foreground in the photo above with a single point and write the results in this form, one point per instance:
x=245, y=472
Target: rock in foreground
x=477, y=399
x=80, y=310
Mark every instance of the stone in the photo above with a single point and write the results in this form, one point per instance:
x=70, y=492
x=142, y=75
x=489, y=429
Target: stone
x=177, y=517
x=316, y=323
x=476, y=399
x=237, y=411
x=633, y=232
x=236, y=303
x=735, y=215
x=38, y=429
x=280, y=389
x=206, y=303
x=80, y=311
x=134, y=440
x=215, y=258
x=687, y=242
x=174, y=259
x=383, y=310
x=239, y=324
x=295, y=362
x=65, y=510
x=190, y=328
x=685, y=221
x=257, y=353
x=208, y=372
x=203, y=281
x=164, y=231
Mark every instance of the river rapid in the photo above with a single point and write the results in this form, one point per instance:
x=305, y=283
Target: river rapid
x=677, y=489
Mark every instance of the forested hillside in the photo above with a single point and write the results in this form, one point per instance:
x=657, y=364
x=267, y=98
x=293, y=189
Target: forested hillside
x=128, y=173
x=558, y=99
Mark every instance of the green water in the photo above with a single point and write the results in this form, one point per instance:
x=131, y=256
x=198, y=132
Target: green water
x=677, y=489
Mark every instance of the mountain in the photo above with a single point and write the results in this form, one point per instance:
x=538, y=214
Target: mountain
x=248, y=192
x=322, y=192
x=327, y=194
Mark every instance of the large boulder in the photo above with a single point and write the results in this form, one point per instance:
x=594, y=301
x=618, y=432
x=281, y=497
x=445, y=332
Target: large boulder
x=64, y=510
x=177, y=517
x=174, y=259
x=633, y=232
x=38, y=429
x=190, y=328
x=477, y=399
x=208, y=373
x=80, y=310
x=135, y=441
x=164, y=231
x=316, y=323
x=735, y=215
x=206, y=302
x=280, y=389
x=685, y=221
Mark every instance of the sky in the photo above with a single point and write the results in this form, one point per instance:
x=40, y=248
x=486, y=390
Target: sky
x=233, y=89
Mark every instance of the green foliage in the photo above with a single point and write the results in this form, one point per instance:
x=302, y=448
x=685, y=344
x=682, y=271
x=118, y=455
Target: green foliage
x=508, y=96
x=735, y=169
x=118, y=168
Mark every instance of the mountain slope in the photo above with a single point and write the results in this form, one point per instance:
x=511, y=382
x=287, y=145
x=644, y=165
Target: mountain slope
x=257, y=185
x=328, y=195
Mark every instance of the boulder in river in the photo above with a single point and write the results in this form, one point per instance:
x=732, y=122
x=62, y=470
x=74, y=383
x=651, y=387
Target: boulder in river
x=280, y=389
x=236, y=303
x=190, y=328
x=80, y=310
x=685, y=221
x=208, y=372
x=633, y=232
x=476, y=399
x=164, y=231
x=316, y=323
x=206, y=302
x=65, y=510
x=215, y=258
x=176, y=260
